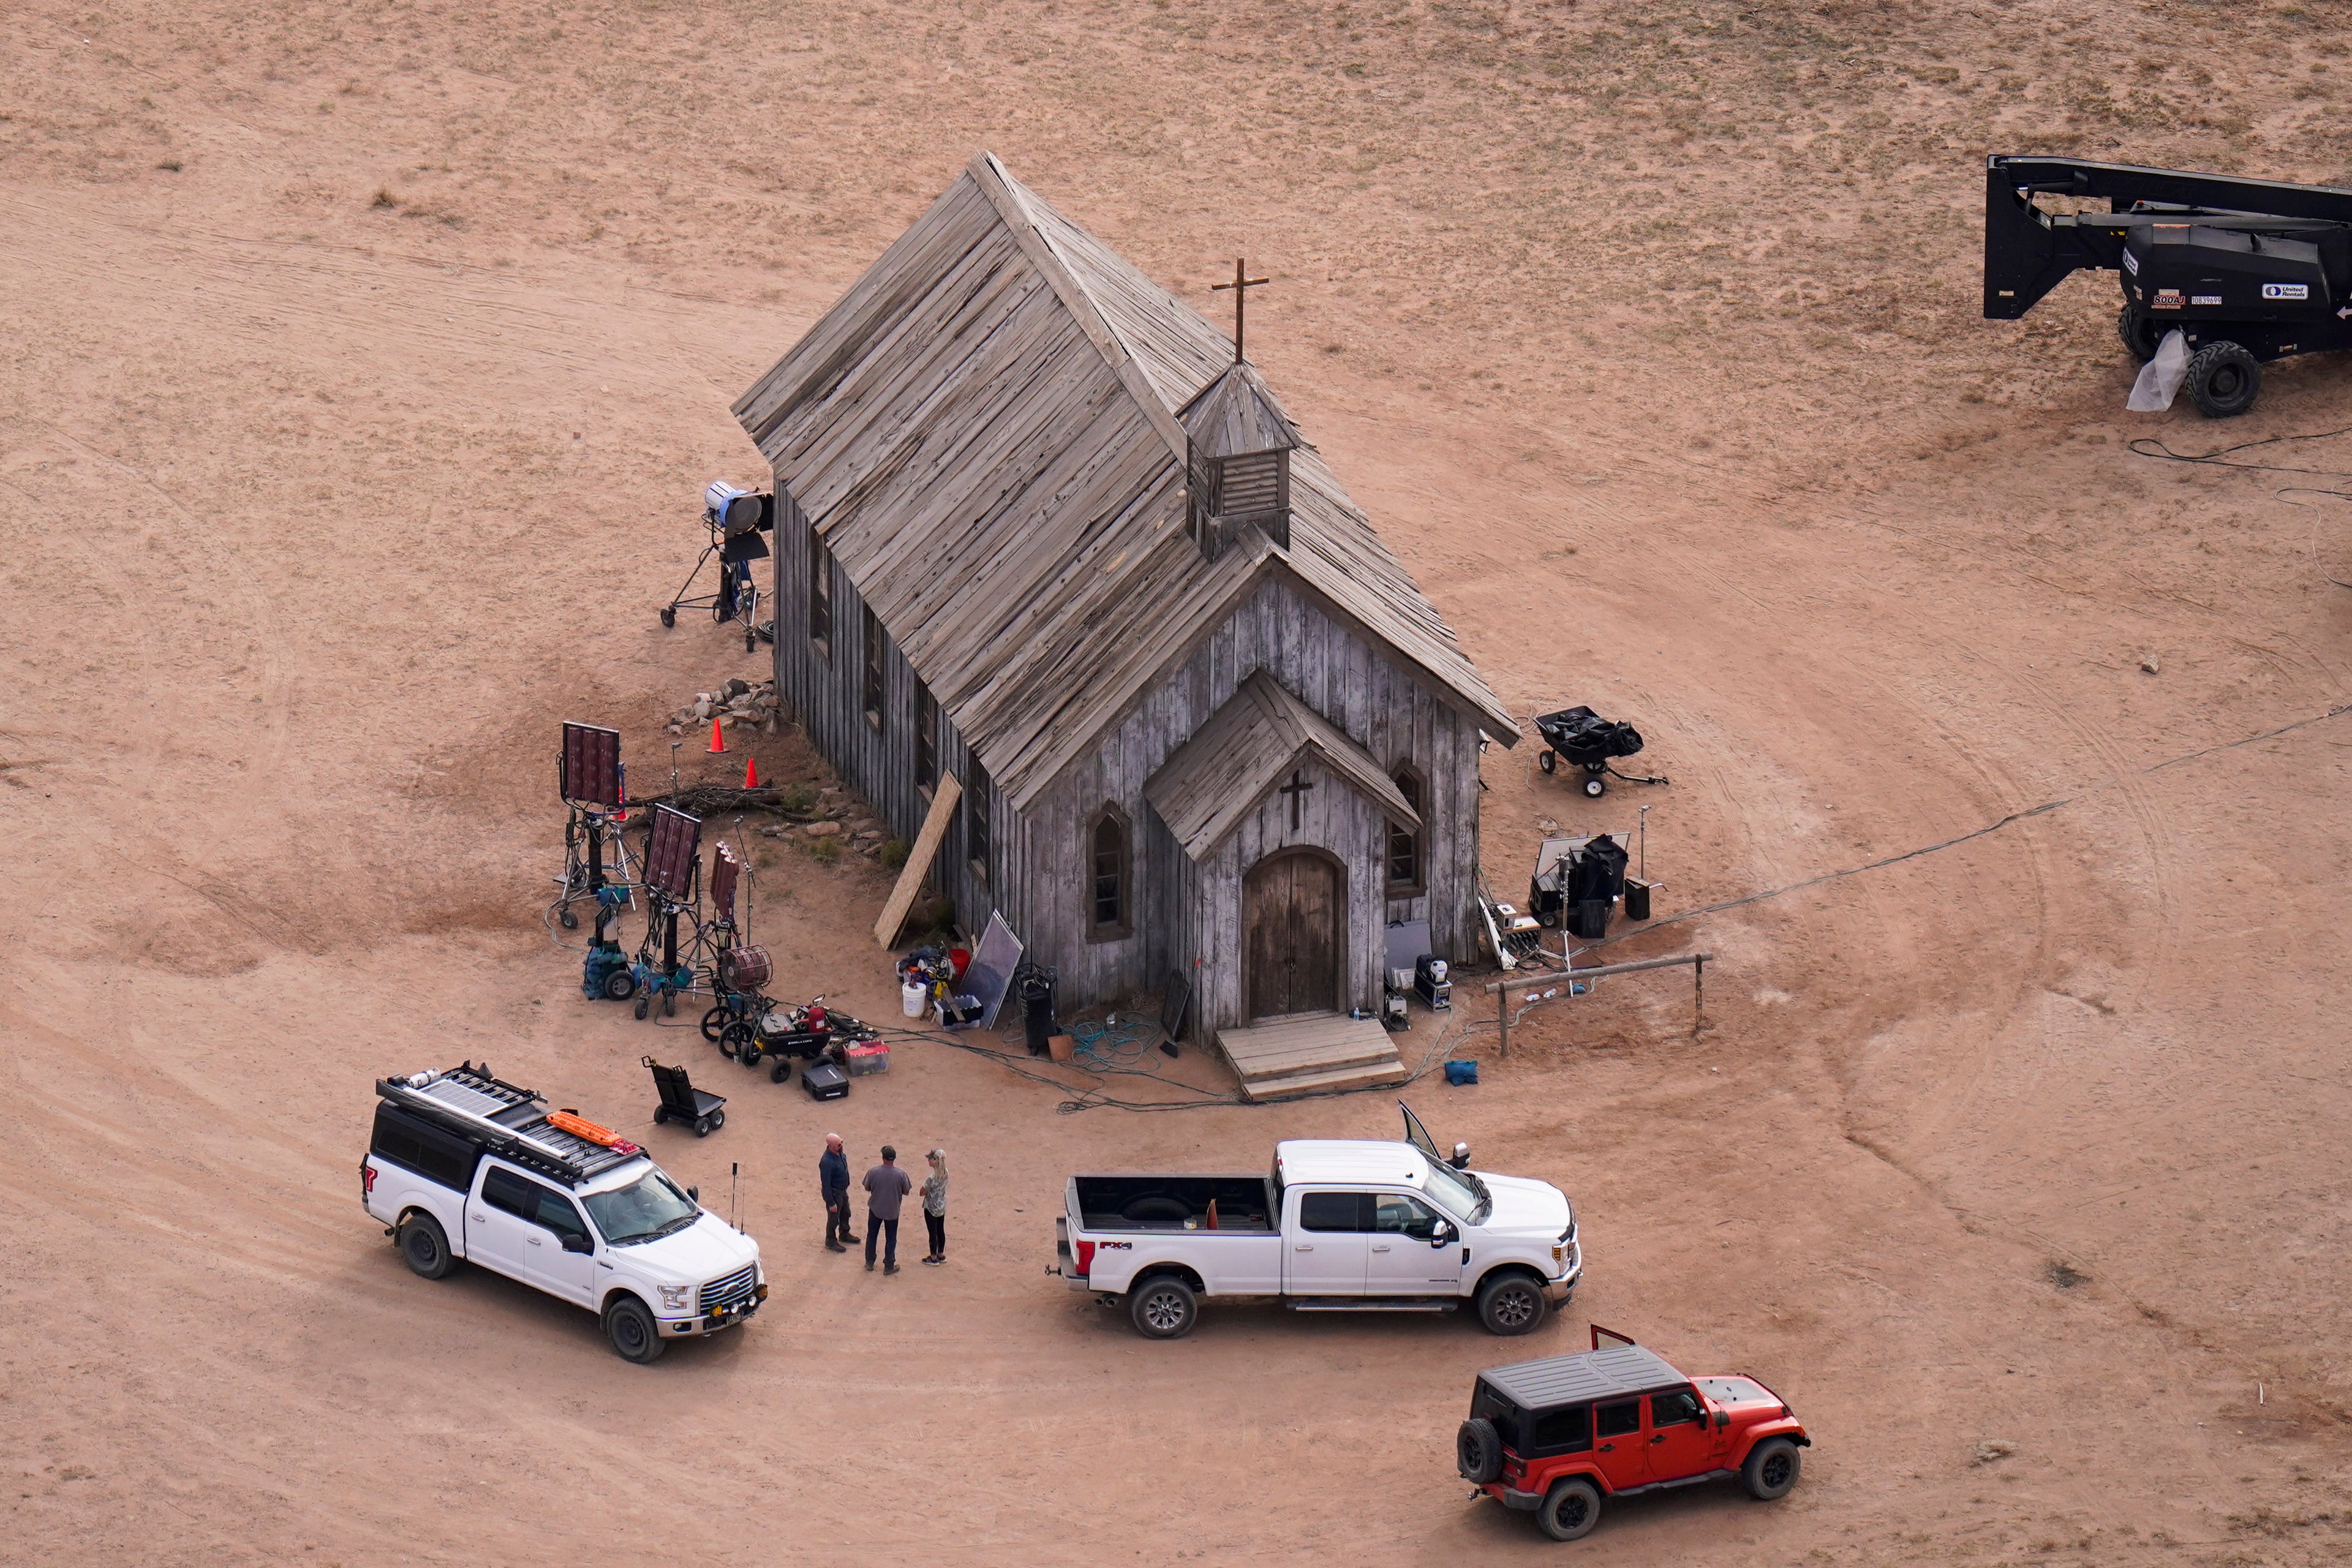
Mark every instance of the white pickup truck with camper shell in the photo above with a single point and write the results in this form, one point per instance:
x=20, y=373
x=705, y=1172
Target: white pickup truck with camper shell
x=1338, y=1225
x=464, y=1166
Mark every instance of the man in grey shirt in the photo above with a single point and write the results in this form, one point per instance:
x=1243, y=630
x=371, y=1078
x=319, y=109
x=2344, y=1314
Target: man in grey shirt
x=886, y=1187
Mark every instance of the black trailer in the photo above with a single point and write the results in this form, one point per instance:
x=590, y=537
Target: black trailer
x=2250, y=270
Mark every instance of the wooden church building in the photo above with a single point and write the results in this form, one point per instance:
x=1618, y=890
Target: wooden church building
x=1039, y=528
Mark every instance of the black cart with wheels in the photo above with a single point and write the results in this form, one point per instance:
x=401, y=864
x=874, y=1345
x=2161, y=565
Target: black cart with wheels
x=813, y=1033
x=682, y=1102
x=1589, y=741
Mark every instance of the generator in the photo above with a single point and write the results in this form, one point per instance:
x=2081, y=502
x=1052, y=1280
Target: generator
x=2249, y=270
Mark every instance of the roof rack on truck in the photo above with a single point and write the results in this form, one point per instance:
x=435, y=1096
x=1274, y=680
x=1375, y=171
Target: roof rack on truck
x=505, y=1117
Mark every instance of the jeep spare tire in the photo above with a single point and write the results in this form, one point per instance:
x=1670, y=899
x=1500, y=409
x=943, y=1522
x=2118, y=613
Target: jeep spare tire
x=1770, y=1469
x=1570, y=1509
x=1163, y=1308
x=1478, y=1451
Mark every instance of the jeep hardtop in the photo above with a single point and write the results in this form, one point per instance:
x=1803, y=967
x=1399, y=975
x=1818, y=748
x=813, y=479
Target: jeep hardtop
x=465, y=1167
x=1554, y=1437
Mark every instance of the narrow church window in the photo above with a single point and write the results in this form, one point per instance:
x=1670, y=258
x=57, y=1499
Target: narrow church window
x=927, y=741
x=874, y=647
x=1107, y=852
x=975, y=815
x=820, y=597
x=1404, y=843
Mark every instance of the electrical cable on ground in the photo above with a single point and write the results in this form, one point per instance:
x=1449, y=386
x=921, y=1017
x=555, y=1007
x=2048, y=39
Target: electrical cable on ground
x=2014, y=817
x=2152, y=448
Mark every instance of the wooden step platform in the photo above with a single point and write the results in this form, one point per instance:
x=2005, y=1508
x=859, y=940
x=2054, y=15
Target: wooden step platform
x=1314, y=1052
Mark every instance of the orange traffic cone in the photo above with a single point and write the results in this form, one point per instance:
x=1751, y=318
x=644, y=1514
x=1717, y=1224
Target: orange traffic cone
x=718, y=741
x=751, y=773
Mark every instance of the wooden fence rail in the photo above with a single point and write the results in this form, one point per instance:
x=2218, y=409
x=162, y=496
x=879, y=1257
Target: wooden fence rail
x=1502, y=989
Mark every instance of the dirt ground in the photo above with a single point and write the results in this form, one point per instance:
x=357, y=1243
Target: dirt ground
x=363, y=366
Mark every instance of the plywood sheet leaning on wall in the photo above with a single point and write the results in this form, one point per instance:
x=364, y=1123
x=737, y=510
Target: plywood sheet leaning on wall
x=919, y=861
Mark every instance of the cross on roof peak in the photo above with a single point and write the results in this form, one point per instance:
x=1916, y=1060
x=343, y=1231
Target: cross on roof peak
x=1241, y=286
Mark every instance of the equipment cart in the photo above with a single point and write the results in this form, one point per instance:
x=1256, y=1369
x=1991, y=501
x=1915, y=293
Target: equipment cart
x=1589, y=741
x=682, y=1102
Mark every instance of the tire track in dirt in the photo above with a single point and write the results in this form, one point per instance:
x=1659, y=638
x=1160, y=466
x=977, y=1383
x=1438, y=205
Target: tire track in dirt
x=2162, y=856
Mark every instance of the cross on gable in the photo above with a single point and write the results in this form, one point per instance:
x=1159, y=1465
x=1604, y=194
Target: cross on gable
x=1241, y=286
x=1297, y=787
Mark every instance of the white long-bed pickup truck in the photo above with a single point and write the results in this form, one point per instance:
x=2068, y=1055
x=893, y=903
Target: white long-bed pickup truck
x=1338, y=1225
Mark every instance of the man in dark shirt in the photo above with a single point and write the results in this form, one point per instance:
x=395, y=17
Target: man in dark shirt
x=833, y=1183
x=886, y=1187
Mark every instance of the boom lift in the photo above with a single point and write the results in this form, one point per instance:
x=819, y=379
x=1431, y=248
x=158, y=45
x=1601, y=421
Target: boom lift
x=2250, y=270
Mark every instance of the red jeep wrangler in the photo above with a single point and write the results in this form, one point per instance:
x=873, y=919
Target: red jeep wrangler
x=1558, y=1435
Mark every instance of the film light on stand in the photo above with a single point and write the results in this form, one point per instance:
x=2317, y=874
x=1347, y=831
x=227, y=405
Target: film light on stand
x=670, y=858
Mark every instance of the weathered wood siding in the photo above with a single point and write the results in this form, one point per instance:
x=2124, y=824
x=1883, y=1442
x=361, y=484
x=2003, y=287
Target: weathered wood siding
x=825, y=695
x=1182, y=919
x=1332, y=815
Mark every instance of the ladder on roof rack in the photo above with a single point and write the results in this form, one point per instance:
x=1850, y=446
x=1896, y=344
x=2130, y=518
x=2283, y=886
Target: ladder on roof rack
x=510, y=1120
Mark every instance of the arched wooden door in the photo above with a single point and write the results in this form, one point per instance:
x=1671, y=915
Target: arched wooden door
x=1294, y=907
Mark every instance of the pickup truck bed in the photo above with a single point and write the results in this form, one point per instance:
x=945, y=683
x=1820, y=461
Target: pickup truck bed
x=1168, y=1203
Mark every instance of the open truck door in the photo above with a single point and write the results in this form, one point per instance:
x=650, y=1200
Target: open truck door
x=1418, y=1136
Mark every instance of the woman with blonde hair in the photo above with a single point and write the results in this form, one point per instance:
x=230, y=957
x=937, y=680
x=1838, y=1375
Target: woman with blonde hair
x=934, y=1206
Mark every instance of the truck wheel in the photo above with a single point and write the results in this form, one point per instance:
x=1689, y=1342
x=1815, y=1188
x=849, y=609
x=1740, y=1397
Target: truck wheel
x=1771, y=1469
x=1478, y=1450
x=1596, y=786
x=426, y=1246
x=714, y=1023
x=783, y=1071
x=2139, y=333
x=1163, y=1308
x=1546, y=760
x=1511, y=1304
x=1570, y=1509
x=2223, y=380
x=631, y=1329
x=620, y=985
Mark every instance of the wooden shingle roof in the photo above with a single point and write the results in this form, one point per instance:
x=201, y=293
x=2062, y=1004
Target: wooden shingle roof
x=1219, y=776
x=984, y=432
x=1238, y=413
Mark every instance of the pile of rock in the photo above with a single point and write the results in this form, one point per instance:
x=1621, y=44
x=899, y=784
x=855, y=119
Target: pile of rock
x=735, y=702
x=841, y=816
